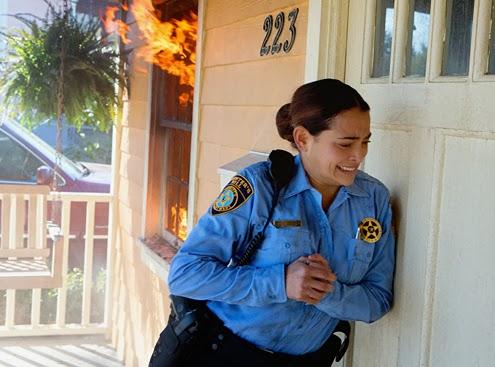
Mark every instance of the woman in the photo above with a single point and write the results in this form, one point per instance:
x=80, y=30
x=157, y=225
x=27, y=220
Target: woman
x=328, y=252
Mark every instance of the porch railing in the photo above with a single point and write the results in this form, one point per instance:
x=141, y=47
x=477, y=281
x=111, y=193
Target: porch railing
x=70, y=309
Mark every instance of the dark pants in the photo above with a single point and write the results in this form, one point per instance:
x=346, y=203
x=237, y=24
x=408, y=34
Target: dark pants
x=219, y=347
x=226, y=350
x=215, y=345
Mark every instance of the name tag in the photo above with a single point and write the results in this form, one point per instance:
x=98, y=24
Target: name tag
x=287, y=223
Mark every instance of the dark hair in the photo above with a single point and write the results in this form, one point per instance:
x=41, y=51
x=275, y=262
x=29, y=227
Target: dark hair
x=314, y=105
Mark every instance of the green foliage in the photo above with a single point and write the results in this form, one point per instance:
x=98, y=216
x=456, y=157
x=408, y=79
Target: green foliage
x=29, y=77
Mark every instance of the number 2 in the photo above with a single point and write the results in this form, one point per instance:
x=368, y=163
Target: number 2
x=267, y=27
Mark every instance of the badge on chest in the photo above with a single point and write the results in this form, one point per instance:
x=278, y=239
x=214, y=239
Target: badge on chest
x=369, y=230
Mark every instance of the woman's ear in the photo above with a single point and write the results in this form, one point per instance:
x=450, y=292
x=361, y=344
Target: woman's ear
x=301, y=138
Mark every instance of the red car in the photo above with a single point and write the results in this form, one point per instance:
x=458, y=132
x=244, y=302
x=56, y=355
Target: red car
x=26, y=159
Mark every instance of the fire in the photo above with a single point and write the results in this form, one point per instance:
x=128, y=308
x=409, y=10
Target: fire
x=113, y=25
x=184, y=99
x=182, y=223
x=182, y=230
x=169, y=45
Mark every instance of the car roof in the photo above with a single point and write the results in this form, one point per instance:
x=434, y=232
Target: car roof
x=40, y=149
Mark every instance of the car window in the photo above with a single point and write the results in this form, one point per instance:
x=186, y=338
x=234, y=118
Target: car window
x=16, y=163
x=69, y=167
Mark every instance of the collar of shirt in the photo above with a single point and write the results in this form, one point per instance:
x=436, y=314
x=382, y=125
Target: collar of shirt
x=300, y=183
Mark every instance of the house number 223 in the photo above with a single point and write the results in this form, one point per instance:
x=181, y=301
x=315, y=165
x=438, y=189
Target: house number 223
x=268, y=25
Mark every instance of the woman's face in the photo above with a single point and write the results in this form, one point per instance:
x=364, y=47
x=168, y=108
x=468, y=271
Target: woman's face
x=331, y=159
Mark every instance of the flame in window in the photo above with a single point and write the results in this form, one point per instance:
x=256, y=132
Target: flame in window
x=181, y=230
x=170, y=45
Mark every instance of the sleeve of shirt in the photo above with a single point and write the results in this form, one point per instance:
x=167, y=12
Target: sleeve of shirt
x=199, y=270
x=371, y=298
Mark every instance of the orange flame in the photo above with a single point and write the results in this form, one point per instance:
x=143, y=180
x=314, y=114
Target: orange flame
x=113, y=25
x=182, y=224
x=184, y=99
x=170, y=45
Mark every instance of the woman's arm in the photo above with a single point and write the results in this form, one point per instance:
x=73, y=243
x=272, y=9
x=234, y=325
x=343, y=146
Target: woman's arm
x=199, y=270
x=372, y=297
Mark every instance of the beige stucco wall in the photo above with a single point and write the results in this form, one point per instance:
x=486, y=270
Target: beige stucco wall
x=239, y=96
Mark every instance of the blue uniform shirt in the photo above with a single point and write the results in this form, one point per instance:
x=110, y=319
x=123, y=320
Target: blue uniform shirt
x=251, y=299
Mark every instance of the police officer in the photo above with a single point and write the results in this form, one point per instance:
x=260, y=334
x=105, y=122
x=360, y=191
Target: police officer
x=328, y=251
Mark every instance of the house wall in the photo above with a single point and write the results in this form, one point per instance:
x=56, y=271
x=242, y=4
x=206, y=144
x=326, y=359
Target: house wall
x=240, y=90
x=239, y=95
x=140, y=297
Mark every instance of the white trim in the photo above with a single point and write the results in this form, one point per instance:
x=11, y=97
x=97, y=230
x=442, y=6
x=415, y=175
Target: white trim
x=483, y=14
x=438, y=38
x=315, y=9
x=193, y=163
x=147, y=132
x=88, y=264
x=327, y=39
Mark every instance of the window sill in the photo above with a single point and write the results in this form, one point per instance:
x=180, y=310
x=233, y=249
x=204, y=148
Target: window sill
x=157, y=254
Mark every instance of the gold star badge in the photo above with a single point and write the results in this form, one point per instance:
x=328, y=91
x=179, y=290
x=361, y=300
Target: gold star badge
x=370, y=230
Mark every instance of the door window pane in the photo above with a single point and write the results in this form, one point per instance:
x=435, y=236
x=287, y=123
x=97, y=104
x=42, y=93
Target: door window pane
x=491, y=60
x=16, y=163
x=384, y=28
x=417, y=41
x=457, y=44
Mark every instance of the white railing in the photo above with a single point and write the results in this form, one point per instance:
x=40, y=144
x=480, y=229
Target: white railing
x=75, y=283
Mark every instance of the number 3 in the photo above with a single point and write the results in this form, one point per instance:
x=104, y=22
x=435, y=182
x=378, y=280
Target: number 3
x=292, y=18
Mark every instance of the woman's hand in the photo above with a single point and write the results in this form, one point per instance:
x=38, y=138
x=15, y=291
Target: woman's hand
x=309, y=279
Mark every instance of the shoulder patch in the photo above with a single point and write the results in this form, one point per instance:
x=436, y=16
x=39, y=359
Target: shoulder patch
x=236, y=193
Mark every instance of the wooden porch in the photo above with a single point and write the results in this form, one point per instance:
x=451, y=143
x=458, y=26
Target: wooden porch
x=55, y=294
x=51, y=351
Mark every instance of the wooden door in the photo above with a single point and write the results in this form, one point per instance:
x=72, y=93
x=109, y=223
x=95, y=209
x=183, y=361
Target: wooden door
x=426, y=69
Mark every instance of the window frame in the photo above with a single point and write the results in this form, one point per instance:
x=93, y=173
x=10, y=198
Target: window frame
x=401, y=35
x=369, y=46
x=479, y=52
x=154, y=206
x=438, y=36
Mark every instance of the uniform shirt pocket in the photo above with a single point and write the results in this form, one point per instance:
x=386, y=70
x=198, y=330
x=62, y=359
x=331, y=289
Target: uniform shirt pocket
x=360, y=256
x=282, y=245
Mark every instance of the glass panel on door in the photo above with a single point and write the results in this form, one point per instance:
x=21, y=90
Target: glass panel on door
x=417, y=40
x=491, y=59
x=384, y=29
x=457, y=45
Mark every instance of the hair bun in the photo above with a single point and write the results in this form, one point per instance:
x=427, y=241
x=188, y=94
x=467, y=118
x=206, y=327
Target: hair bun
x=284, y=123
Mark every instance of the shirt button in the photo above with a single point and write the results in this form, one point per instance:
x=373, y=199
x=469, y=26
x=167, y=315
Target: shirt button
x=214, y=346
x=220, y=336
x=287, y=245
